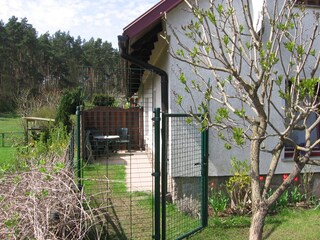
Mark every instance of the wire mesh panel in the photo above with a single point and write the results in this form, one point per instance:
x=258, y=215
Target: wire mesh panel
x=117, y=173
x=185, y=177
x=9, y=139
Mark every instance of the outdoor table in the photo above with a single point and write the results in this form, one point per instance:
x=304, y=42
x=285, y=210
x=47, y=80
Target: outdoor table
x=107, y=139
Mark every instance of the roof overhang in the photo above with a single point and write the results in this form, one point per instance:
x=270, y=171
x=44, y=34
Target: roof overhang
x=141, y=35
x=139, y=27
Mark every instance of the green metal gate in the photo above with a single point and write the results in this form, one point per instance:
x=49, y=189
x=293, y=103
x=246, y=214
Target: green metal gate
x=181, y=170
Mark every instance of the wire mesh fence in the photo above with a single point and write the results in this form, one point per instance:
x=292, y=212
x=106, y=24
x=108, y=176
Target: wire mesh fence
x=9, y=139
x=119, y=168
x=117, y=172
x=185, y=178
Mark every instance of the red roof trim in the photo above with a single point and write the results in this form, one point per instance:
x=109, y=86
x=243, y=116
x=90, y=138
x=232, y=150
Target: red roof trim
x=149, y=17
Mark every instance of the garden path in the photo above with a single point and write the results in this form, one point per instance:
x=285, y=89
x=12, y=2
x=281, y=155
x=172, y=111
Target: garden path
x=138, y=169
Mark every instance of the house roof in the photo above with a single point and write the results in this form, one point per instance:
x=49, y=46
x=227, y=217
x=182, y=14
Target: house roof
x=150, y=18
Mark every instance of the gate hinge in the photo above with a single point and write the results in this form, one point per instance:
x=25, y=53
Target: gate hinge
x=156, y=119
x=155, y=174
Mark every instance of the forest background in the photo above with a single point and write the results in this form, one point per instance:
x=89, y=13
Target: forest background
x=36, y=66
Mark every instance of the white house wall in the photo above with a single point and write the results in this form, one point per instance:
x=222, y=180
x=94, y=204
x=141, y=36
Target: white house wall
x=219, y=158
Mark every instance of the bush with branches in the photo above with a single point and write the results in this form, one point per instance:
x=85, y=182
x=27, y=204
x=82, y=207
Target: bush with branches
x=41, y=199
x=68, y=104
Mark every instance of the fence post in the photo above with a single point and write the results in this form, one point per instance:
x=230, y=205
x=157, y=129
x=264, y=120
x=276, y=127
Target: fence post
x=78, y=133
x=164, y=175
x=2, y=135
x=156, y=174
x=204, y=177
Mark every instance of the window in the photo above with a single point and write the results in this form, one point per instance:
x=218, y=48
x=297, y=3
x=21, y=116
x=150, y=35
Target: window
x=298, y=135
x=309, y=2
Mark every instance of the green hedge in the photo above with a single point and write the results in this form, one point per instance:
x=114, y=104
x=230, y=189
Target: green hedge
x=103, y=100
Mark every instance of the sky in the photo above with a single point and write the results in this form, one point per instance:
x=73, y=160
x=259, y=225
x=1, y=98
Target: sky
x=103, y=19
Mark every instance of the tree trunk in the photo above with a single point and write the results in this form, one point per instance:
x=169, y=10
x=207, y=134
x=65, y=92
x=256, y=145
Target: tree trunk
x=257, y=223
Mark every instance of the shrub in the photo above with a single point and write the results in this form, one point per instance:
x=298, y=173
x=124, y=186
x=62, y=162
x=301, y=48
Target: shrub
x=51, y=142
x=42, y=202
x=189, y=206
x=103, y=100
x=239, y=186
x=68, y=105
x=45, y=112
x=218, y=199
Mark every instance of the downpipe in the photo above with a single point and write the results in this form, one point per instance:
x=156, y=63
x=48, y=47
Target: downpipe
x=123, y=48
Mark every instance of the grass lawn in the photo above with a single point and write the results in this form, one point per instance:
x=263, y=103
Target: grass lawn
x=10, y=133
x=287, y=225
x=95, y=173
x=7, y=155
x=10, y=122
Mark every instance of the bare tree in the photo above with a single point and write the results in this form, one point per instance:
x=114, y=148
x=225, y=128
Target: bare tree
x=259, y=69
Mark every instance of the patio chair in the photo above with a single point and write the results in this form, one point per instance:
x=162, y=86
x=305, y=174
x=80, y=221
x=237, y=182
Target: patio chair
x=88, y=147
x=98, y=148
x=124, y=138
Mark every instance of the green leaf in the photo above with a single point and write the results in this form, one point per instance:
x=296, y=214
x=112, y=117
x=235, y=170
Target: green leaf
x=207, y=48
x=58, y=166
x=221, y=114
x=268, y=45
x=279, y=80
x=42, y=162
x=241, y=28
x=44, y=192
x=221, y=136
x=300, y=50
x=220, y=9
x=208, y=94
x=180, y=52
x=289, y=46
x=307, y=87
x=313, y=53
x=226, y=39
x=189, y=120
x=230, y=11
x=204, y=124
x=238, y=135
x=284, y=95
x=211, y=17
x=182, y=78
x=240, y=113
x=179, y=100
x=13, y=221
x=227, y=146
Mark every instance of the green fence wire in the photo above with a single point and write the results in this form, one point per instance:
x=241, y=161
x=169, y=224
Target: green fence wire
x=184, y=177
x=9, y=139
x=116, y=173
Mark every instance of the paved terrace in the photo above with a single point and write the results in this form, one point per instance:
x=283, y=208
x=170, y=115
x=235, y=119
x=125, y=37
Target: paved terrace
x=138, y=169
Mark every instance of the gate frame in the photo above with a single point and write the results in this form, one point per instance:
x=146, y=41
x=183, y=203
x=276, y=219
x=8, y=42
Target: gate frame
x=161, y=176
